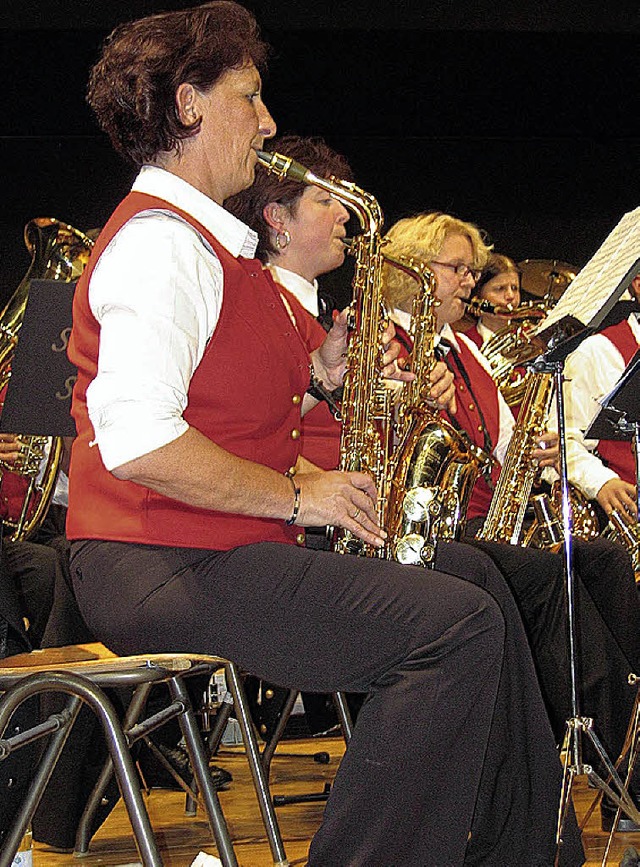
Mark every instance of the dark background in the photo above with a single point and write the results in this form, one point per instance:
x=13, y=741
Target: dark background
x=524, y=120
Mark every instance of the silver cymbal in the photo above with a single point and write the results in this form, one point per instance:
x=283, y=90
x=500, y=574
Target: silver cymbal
x=546, y=277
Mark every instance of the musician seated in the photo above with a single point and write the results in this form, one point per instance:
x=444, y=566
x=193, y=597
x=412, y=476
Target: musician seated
x=604, y=470
x=39, y=565
x=500, y=285
x=609, y=613
x=182, y=502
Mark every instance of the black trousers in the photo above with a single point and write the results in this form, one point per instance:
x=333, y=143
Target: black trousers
x=454, y=723
x=608, y=631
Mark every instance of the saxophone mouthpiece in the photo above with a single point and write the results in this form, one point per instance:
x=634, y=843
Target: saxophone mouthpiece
x=477, y=306
x=283, y=167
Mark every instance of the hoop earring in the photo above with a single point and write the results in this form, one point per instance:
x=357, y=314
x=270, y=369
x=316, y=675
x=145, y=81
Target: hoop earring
x=283, y=239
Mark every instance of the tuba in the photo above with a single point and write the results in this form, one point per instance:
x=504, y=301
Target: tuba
x=59, y=252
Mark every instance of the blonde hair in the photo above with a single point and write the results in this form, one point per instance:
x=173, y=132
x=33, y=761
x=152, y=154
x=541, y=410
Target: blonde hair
x=422, y=237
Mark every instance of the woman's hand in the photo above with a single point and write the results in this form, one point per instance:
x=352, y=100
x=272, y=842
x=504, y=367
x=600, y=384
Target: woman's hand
x=9, y=448
x=340, y=499
x=547, y=455
x=619, y=496
x=329, y=360
x=443, y=389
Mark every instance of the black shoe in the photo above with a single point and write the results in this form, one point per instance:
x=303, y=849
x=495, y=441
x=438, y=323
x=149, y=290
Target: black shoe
x=608, y=810
x=631, y=857
x=178, y=758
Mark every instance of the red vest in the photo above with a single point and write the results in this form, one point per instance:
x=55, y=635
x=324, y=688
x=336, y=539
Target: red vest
x=474, y=335
x=250, y=408
x=320, y=430
x=619, y=455
x=468, y=417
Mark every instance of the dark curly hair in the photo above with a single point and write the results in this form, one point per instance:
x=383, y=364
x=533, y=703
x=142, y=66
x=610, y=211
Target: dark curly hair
x=315, y=154
x=133, y=85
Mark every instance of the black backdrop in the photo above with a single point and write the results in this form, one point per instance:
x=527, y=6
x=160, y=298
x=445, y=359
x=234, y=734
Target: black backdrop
x=525, y=121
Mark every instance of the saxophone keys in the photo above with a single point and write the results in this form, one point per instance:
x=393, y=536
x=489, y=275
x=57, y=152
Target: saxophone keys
x=414, y=550
x=421, y=503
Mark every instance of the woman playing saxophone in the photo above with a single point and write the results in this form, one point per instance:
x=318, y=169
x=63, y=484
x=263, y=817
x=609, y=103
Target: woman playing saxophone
x=610, y=616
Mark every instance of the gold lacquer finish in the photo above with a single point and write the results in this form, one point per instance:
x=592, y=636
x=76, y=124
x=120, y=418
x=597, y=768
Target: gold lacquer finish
x=511, y=347
x=368, y=415
x=59, y=252
x=509, y=502
x=627, y=534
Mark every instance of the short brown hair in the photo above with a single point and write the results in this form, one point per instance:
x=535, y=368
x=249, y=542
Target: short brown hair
x=315, y=154
x=132, y=87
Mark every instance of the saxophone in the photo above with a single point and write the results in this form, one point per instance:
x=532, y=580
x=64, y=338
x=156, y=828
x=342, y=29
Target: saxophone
x=509, y=502
x=505, y=518
x=627, y=535
x=59, y=252
x=435, y=466
x=372, y=422
x=367, y=432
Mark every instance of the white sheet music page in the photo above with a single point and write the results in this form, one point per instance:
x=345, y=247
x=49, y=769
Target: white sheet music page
x=587, y=294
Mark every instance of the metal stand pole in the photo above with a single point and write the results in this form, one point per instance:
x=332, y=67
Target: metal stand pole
x=579, y=725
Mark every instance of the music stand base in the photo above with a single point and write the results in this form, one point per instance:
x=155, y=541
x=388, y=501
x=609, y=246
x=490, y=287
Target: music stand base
x=611, y=784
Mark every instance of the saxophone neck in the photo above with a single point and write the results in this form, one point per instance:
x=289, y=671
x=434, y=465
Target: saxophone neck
x=359, y=202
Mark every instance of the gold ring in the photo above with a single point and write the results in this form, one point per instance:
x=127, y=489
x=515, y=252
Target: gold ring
x=355, y=514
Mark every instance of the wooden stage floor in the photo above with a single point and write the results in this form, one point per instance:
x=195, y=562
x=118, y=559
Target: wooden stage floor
x=181, y=838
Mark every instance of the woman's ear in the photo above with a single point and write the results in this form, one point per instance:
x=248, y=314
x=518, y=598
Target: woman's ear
x=273, y=216
x=186, y=103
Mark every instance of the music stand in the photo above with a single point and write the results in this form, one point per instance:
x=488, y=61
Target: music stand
x=553, y=362
x=38, y=399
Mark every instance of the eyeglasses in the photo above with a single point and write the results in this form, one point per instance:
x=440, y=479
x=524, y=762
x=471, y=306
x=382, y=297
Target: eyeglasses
x=461, y=270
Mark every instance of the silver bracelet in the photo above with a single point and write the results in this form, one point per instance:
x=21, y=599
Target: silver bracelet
x=296, y=499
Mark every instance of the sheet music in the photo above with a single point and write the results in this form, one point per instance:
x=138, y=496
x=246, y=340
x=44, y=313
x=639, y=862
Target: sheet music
x=597, y=282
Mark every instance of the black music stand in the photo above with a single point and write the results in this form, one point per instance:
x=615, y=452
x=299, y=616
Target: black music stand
x=38, y=399
x=553, y=362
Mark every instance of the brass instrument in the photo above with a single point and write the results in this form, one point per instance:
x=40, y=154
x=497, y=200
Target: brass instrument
x=511, y=347
x=371, y=424
x=435, y=466
x=367, y=432
x=626, y=534
x=547, y=531
x=509, y=502
x=59, y=252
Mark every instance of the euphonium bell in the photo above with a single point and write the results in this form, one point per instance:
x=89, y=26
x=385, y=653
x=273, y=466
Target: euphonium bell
x=59, y=252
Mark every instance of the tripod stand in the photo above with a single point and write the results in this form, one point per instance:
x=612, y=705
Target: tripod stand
x=610, y=783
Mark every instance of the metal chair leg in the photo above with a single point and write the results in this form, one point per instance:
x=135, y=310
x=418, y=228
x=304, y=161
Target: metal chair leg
x=94, y=697
x=200, y=766
x=269, y=818
x=84, y=830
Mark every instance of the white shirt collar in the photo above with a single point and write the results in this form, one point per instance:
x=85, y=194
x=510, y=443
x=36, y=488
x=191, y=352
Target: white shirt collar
x=305, y=292
x=484, y=332
x=231, y=232
x=634, y=325
x=403, y=319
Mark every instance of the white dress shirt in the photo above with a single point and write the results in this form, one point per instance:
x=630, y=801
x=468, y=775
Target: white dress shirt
x=156, y=293
x=591, y=371
x=306, y=293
